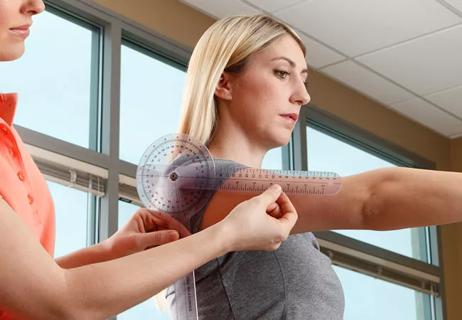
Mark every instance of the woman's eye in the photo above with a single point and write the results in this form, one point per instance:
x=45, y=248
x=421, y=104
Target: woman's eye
x=281, y=74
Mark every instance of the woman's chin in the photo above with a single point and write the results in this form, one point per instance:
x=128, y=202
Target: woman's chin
x=14, y=52
x=277, y=142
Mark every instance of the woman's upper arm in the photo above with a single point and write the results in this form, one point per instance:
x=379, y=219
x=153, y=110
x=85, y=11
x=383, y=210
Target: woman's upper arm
x=344, y=210
x=221, y=205
x=222, y=202
x=340, y=211
x=29, y=276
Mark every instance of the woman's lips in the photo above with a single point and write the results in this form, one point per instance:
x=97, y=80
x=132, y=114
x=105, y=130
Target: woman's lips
x=290, y=116
x=21, y=31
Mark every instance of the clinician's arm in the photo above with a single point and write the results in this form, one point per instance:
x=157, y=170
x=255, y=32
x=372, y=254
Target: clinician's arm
x=35, y=286
x=382, y=199
x=145, y=229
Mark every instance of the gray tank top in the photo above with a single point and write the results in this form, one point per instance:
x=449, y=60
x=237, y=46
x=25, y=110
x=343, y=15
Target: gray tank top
x=295, y=282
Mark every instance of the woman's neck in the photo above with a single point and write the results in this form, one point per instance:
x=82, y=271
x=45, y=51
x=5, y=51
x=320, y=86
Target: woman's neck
x=234, y=145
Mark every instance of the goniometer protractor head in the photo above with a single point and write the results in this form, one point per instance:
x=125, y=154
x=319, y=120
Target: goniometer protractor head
x=161, y=169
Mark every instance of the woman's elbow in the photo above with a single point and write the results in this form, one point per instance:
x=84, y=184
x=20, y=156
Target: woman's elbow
x=377, y=195
x=69, y=301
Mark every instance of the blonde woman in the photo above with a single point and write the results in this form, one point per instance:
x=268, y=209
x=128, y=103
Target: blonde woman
x=112, y=276
x=245, y=87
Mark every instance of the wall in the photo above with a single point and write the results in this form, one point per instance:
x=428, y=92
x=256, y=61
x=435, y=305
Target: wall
x=166, y=17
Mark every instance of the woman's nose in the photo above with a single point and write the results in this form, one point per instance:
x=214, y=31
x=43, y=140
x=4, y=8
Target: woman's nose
x=33, y=7
x=301, y=95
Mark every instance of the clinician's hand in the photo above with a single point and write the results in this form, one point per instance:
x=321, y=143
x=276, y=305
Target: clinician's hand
x=145, y=229
x=250, y=227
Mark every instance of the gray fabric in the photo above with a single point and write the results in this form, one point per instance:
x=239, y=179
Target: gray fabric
x=295, y=282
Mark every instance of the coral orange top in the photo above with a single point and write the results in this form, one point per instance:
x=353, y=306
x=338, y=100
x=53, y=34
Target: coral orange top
x=22, y=185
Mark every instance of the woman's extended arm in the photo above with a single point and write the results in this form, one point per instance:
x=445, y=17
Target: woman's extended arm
x=386, y=199
x=34, y=286
x=381, y=199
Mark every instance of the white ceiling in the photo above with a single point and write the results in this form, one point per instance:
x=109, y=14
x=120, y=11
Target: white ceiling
x=405, y=54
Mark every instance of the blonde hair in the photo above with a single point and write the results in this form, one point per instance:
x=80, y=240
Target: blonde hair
x=225, y=46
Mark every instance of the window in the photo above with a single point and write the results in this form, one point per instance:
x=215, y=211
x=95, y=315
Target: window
x=378, y=281
x=152, y=308
x=273, y=159
x=150, y=100
x=150, y=106
x=321, y=151
x=388, y=301
x=57, y=77
x=71, y=207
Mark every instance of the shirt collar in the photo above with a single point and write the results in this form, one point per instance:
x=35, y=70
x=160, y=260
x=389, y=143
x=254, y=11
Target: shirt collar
x=8, y=106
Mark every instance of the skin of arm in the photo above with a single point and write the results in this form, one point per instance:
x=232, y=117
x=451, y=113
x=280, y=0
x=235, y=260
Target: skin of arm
x=145, y=229
x=382, y=199
x=35, y=286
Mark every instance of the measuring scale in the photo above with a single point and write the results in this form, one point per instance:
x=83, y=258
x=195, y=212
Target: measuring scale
x=177, y=175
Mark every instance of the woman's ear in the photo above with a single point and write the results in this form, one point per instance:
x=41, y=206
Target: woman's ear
x=223, y=89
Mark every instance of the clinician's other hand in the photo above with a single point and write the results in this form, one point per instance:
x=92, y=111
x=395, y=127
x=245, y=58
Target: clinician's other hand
x=144, y=230
x=250, y=227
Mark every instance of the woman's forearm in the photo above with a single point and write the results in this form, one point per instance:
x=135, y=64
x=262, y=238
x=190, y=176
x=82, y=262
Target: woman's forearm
x=35, y=287
x=384, y=199
x=404, y=197
x=137, y=277
x=93, y=254
x=134, y=278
